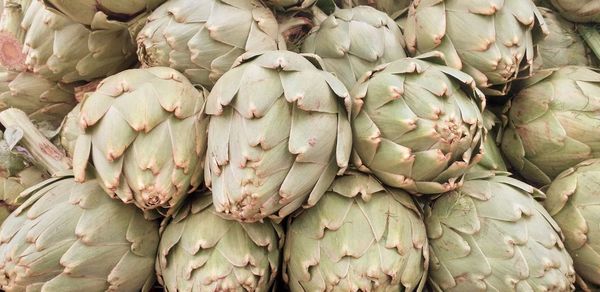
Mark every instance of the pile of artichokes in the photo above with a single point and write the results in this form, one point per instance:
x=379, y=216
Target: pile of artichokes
x=299, y=145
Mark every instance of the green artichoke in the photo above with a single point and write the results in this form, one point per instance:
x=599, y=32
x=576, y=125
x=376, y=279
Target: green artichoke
x=417, y=125
x=353, y=41
x=72, y=237
x=201, y=251
x=578, y=10
x=552, y=123
x=277, y=136
x=202, y=39
x=391, y=7
x=573, y=200
x=70, y=131
x=88, y=11
x=492, y=159
x=145, y=133
x=492, y=235
x=491, y=40
x=361, y=236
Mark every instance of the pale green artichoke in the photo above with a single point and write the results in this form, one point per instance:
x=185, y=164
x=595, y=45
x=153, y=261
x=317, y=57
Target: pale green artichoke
x=278, y=134
x=573, y=200
x=70, y=130
x=201, y=251
x=145, y=133
x=578, y=10
x=202, y=39
x=391, y=7
x=361, y=236
x=353, y=41
x=72, y=237
x=88, y=11
x=492, y=159
x=417, y=125
x=492, y=235
x=552, y=123
x=491, y=40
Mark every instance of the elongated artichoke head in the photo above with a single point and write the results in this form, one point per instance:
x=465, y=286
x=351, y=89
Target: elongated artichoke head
x=72, y=237
x=202, y=251
x=361, y=236
x=573, y=200
x=492, y=159
x=417, y=124
x=353, y=41
x=390, y=7
x=278, y=135
x=145, y=133
x=202, y=39
x=553, y=123
x=491, y=40
x=492, y=235
x=578, y=10
x=87, y=11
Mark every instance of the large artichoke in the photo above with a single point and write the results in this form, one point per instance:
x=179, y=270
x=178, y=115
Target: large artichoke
x=87, y=11
x=417, y=125
x=361, y=236
x=553, y=123
x=278, y=134
x=202, y=39
x=573, y=200
x=353, y=41
x=145, y=133
x=491, y=40
x=72, y=237
x=201, y=251
x=578, y=10
x=492, y=235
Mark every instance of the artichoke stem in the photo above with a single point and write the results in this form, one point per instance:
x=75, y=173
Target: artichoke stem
x=591, y=36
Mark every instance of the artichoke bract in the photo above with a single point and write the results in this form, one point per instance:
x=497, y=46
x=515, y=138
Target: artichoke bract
x=68, y=236
x=361, y=236
x=70, y=130
x=492, y=235
x=417, y=125
x=278, y=134
x=289, y=5
x=553, y=123
x=493, y=41
x=578, y=10
x=391, y=7
x=492, y=159
x=202, y=39
x=86, y=11
x=145, y=133
x=353, y=41
x=201, y=251
x=573, y=200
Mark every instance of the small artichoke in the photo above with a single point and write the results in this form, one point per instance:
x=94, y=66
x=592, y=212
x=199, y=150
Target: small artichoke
x=578, y=10
x=353, y=41
x=145, y=133
x=72, y=237
x=491, y=40
x=492, y=235
x=278, y=134
x=70, y=131
x=552, y=123
x=201, y=251
x=417, y=125
x=361, y=236
x=87, y=11
x=202, y=39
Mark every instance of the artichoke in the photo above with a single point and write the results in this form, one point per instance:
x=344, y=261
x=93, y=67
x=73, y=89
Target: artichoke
x=361, y=236
x=573, y=199
x=201, y=251
x=491, y=40
x=578, y=10
x=492, y=235
x=202, y=39
x=353, y=41
x=70, y=130
x=552, y=123
x=417, y=125
x=88, y=11
x=145, y=133
x=72, y=237
x=391, y=7
x=277, y=136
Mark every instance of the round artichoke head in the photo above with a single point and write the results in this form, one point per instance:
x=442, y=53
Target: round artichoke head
x=202, y=39
x=145, y=133
x=86, y=11
x=417, y=125
x=72, y=237
x=361, y=236
x=553, y=123
x=353, y=41
x=278, y=134
x=202, y=251
x=492, y=235
x=493, y=41
x=578, y=10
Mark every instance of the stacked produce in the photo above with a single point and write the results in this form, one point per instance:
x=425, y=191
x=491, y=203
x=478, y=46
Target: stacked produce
x=299, y=145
